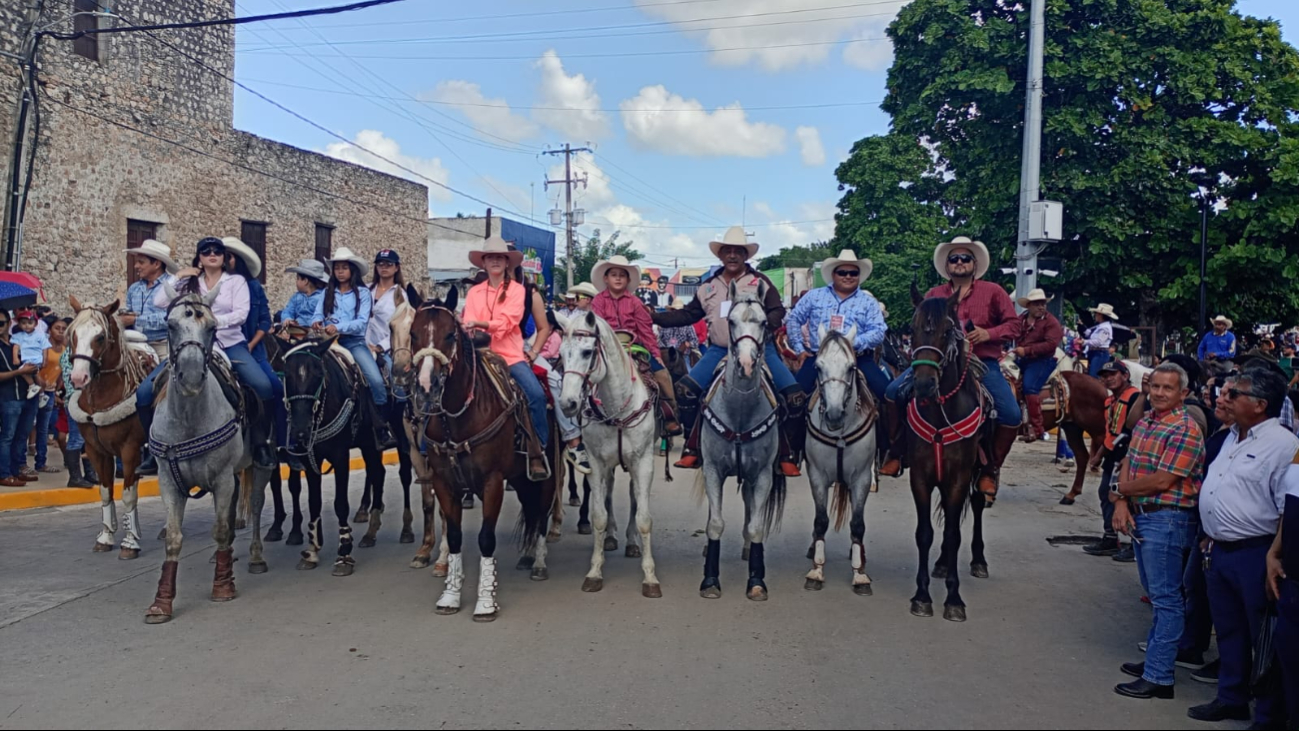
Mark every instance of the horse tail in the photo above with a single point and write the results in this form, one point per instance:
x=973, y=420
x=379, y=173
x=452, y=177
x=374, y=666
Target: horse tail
x=775, y=508
x=701, y=488
x=532, y=519
x=246, y=495
x=842, y=503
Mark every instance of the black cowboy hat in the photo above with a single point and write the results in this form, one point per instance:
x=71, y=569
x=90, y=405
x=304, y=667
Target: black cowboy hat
x=1188, y=364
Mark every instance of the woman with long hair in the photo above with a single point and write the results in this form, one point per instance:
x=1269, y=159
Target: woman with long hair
x=388, y=291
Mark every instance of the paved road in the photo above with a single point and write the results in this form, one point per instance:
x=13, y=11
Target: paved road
x=1046, y=633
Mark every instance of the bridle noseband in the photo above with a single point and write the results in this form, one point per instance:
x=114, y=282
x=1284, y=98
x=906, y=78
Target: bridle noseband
x=180, y=347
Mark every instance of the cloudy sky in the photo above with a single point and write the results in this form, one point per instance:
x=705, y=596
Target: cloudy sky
x=692, y=107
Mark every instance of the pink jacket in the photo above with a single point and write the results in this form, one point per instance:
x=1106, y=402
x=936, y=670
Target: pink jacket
x=628, y=313
x=503, y=318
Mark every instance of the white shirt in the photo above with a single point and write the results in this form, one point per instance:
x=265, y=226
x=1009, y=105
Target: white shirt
x=378, y=333
x=1245, y=487
x=1101, y=336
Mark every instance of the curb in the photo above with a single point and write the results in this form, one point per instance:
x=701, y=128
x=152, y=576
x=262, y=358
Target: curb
x=60, y=496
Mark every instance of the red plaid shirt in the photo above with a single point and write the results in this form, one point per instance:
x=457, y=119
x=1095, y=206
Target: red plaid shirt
x=1170, y=442
x=989, y=307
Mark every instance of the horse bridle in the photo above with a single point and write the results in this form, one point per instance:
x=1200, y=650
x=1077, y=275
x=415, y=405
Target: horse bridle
x=944, y=359
x=180, y=347
x=735, y=342
x=94, y=362
x=449, y=362
x=848, y=383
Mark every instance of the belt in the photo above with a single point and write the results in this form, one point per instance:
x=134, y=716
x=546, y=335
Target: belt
x=1255, y=542
x=1142, y=509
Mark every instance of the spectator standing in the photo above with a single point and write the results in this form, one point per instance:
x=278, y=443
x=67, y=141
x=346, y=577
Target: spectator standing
x=17, y=410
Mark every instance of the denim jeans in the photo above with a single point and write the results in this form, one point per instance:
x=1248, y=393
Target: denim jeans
x=1166, y=538
x=702, y=373
x=44, y=425
x=527, y=380
x=1108, y=468
x=1237, y=595
x=75, y=440
x=1199, y=616
x=1095, y=360
x=364, y=358
x=18, y=417
x=1036, y=373
x=568, y=428
x=1003, y=397
x=250, y=371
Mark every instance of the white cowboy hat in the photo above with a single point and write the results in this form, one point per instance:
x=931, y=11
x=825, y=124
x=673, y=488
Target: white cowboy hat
x=346, y=254
x=1104, y=309
x=1036, y=295
x=617, y=262
x=245, y=252
x=156, y=250
x=584, y=288
x=734, y=236
x=981, y=258
x=847, y=256
x=496, y=245
x=1219, y=318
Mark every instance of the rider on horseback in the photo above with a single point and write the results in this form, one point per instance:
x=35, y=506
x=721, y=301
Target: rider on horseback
x=713, y=302
x=990, y=320
x=1040, y=336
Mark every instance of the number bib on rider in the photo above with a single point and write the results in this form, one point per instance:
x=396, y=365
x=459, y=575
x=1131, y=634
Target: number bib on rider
x=726, y=309
x=836, y=323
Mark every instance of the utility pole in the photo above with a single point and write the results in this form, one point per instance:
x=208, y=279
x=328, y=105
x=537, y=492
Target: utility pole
x=1030, y=174
x=14, y=201
x=568, y=183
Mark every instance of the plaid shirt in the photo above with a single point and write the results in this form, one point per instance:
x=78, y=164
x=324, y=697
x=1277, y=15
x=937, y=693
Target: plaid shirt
x=1172, y=443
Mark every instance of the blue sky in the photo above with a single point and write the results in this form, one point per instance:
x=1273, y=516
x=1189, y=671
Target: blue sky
x=685, y=127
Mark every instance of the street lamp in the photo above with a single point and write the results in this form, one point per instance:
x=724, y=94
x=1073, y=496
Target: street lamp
x=1204, y=182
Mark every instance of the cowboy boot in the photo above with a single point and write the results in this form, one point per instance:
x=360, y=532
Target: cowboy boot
x=538, y=467
x=892, y=466
x=1003, y=440
x=793, y=431
x=382, y=434
x=1036, y=423
x=668, y=403
x=688, y=403
x=72, y=460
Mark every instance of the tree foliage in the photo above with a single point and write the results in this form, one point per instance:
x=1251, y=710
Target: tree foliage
x=589, y=253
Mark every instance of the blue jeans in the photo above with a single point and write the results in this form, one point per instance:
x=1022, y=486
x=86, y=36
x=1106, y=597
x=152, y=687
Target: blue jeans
x=1287, y=643
x=18, y=418
x=1166, y=539
x=364, y=358
x=1095, y=360
x=250, y=371
x=527, y=380
x=44, y=425
x=1035, y=374
x=702, y=373
x=875, y=377
x=75, y=441
x=1003, y=398
x=281, y=414
x=1238, y=599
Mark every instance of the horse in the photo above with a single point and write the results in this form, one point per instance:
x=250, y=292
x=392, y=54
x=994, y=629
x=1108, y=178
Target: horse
x=601, y=381
x=841, y=453
x=741, y=439
x=470, y=416
x=319, y=385
x=106, y=371
x=275, y=349
x=947, y=422
x=201, y=438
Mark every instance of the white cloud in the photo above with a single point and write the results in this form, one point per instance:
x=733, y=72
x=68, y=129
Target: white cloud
x=576, y=113
x=383, y=146
x=783, y=39
x=783, y=232
x=726, y=132
x=809, y=142
x=492, y=116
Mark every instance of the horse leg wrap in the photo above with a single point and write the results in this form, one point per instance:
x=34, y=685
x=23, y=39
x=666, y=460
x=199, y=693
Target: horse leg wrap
x=450, y=600
x=223, y=583
x=757, y=567
x=487, y=606
x=712, y=565
x=131, y=541
x=344, y=541
x=818, y=561
x=161, y=606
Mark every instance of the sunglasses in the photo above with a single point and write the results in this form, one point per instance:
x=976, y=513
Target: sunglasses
x=583, y=297
x=1235, y=393
x=847, y=273
x=960, y=259
x=212, y=251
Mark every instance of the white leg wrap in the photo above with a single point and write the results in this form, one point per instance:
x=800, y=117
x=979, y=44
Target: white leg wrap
x=859, y=577
x=818, y=563
x=455, y=582
x=109, y=519
x=486, y=589
x=132, y=538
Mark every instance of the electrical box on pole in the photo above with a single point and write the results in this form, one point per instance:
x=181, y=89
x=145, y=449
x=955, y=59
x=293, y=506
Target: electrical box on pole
x=1046, y=221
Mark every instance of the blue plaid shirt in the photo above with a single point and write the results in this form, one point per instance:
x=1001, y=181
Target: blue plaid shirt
x=150, y=319
x=820, y=305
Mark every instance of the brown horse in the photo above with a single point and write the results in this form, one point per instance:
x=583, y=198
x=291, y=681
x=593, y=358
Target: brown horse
x=106, y=371
x=1078, y=410
x=471, y=417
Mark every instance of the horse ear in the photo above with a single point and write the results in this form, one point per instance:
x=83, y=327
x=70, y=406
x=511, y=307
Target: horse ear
x=916, y=297
x=954, y=302
x=821, y=332
x=734, y=292
x=169, y=290
x=453, y=298
x=76, y=303
x=413, y=296
x=212, y=295
x=324, y=345
x=563, y=322
x=111, y=307
x=852, y=334
x=590, y=319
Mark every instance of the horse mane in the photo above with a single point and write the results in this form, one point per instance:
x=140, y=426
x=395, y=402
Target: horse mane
x=133, y=367
x=834, y=337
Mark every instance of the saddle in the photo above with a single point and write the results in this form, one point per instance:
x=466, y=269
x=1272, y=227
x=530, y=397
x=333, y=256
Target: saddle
x=247, y=406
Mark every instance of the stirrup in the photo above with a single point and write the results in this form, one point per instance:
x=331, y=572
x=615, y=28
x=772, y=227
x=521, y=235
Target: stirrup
x=689, y=462
x=886, y=472
x=789, y=469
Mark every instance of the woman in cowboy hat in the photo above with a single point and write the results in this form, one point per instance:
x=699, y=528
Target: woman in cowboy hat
x=1100, y=338
x=623, y=311
x=345, y=311
x=153, y=267
x=1040, y=336
x=1219, y=344
x=497, y=306
x=257, y=327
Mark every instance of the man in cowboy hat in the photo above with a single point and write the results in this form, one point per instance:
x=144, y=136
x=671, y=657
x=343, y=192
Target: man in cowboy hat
x=1219, y=344
x=153, y=267
x=1100, y=338
x=583, y=293
x=569, y=306
x=713, y=302
x=987, y=309
x=1040, y=336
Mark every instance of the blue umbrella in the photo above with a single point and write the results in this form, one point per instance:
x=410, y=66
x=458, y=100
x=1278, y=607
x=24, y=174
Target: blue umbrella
x=15, y=296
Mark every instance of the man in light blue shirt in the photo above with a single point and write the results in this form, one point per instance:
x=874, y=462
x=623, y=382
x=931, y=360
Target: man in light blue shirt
x=1219, y=344
x=153, y=267
x=839, y=307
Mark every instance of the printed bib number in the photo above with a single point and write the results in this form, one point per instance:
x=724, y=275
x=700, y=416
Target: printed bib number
x=726, y=309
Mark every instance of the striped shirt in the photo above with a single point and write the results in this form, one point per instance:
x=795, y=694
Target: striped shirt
x=1169, y=442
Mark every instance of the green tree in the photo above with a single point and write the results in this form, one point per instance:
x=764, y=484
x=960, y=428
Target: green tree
x=589, y=253
x=1139, y=97
x=797, y=256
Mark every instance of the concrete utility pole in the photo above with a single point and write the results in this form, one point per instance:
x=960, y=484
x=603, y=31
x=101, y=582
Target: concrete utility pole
x=1030, y=174
x=568, y=183
x=14, y=202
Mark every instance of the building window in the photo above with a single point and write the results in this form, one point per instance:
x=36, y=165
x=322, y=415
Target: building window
x=324, y=241
x=137, y=232
x=253, y=233
x=87, y=46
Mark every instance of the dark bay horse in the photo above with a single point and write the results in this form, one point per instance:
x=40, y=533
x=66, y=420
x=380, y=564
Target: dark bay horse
x=946, y=426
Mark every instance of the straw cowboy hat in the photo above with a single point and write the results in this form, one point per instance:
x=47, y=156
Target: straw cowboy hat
x=1222, y=319
x=847, y=256
x=677, y=304
x=496, y=245
x=981, y=258
x=1104, y=309
x=156, y=250
x=734, y=236
x=245, y=252
x=311, y=269
x=1036, y=295
x=585, y=288
x=617, y=262
x=346, y=254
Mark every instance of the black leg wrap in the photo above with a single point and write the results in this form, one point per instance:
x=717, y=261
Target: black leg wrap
x=712, y=565
x=757, y=567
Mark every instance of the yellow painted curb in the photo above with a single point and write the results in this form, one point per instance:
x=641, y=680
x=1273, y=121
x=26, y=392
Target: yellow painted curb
x=55, y=497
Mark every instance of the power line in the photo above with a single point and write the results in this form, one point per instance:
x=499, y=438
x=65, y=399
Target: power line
x=223, y=21
x=635, y=177
x=683, y=228
x=538, y=14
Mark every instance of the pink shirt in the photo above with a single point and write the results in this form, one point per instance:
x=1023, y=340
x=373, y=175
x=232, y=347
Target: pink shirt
x=503, y=318
x=551, y=349
x=628, y=313
x=231, y=306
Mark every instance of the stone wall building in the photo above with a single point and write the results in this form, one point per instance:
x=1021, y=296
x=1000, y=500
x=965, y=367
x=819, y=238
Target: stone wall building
x=137, y=141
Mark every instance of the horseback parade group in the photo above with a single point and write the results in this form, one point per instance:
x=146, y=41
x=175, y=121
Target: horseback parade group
x=193, y=374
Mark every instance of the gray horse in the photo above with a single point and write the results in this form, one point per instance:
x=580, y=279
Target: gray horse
x=740, y=439
x=199, y=440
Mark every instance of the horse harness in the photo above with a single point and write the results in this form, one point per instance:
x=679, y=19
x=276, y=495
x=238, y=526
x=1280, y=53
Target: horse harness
x=841, y=442
x=739, y=439
x=594, y=410
x=939, y=437
x=323, y=432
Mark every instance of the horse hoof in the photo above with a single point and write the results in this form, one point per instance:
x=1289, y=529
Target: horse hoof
x=128, y=554
x=863, y=590
x=554, y=537
x=633, y=551
x=744, y=555
x=102, y=548
x=979, y=571
x=591, y=586
x=157, y=618
x=584, y=529
x=541, y=574
x=225, y=596
x=940, y=571
x=758, y=594
x=651, y=591
x=420, y=562
x=813, y=585
x=485, y=618
x=362, y=516
x=294, y=539
x=274, y=535
x=574, y=502
x=922, y=609
x=305, y=565
x=610, y=543
x=344, y=569
x=366, y=542
x=440, y=571
x=258, y=567
x=954, y=614
x=711, y=592
x=525, y=563
x=406, y=537
x=446, y=611
x=1066, y=501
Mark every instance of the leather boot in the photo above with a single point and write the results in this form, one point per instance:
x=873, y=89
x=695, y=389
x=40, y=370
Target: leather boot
x=88, y=469
x=793, y=430
x=668, y=403
x=72, y=460
x=538, y=467
x=223, y=582
x=892, y=466
x=1036, y=423
x=382, y=434
x=688, y=403
x=991, y=478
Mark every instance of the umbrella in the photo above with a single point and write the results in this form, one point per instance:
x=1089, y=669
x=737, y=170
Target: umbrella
x=30, y=281
x=15, y=296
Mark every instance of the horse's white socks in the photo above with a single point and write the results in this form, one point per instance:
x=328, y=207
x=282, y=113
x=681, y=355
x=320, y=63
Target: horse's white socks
x=455, y=582
x=486, y=605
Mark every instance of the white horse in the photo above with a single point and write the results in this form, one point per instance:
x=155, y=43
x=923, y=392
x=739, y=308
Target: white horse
x=621, y=432
x=841, y=453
